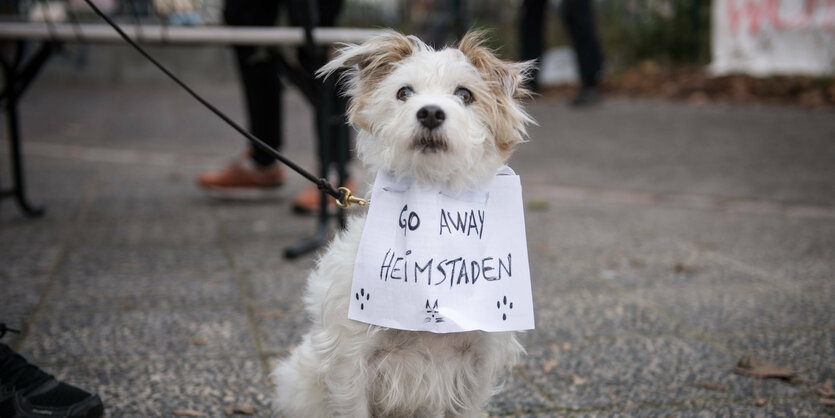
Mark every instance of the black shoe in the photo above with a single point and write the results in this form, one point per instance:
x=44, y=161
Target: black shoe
x=26, y=391
x=587, y=96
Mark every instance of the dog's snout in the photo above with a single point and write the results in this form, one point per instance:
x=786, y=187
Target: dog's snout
x=431, y=116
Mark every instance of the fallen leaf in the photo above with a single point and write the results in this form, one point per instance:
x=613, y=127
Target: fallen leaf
x=196, y=340
x=828, y=402
x=760, y=402
x=577, y=380
x=537, y=205
x=826, y=391
x=566, y=347
x=555, y=348
x=711, y=386
x=637, y=262
x=268, y=313
x=242, y=408
x=685, y=268
x=549, y=365
x=186, y=412
x=762, y=369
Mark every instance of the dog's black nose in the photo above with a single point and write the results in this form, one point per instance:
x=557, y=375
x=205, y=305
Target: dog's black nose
x=431, y=116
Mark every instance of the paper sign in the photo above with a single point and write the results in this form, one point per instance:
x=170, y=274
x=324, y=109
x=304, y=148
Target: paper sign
x=430, y=261
x=768, y=37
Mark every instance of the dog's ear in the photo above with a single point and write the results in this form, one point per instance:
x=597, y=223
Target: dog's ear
x=371, y=61
x=510, y=77
x=507, y=81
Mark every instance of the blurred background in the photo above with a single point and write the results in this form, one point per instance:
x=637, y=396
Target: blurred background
x=675, y=49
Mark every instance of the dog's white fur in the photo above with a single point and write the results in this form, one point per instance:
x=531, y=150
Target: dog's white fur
x=352, y=369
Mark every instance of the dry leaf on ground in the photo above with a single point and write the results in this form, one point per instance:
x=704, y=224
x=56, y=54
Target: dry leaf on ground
x=577, y=380
x=826, y=391
x=196, y=340
x=685, y=268
x=242, y=408
x=549, y=365
x=828, y=402
x=762, y=369
x=186, y=412
x=711, y=386
x=268, y=313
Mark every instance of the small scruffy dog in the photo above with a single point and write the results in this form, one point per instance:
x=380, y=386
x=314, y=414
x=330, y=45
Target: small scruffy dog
x=447, y=118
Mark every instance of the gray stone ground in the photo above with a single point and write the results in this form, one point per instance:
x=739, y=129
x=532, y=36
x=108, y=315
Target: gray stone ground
x=666, y=241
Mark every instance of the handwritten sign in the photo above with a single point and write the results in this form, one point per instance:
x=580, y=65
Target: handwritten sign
x=430, y=261
x=766, y=37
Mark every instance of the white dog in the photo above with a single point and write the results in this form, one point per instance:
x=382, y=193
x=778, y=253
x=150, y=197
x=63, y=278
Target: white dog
x=447, y=118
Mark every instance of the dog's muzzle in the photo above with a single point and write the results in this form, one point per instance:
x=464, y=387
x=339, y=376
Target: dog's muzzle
x=429, y=142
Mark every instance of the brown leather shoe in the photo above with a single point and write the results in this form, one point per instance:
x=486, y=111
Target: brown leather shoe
x=242, y=179
x=308, y=200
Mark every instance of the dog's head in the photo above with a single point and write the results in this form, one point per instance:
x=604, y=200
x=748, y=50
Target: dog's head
x=449, y=117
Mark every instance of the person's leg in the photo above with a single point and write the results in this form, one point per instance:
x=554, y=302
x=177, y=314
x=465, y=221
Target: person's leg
x=28, y=391
x=256, y=173
x=531, y=35
x=258, y=71
x=578, y=16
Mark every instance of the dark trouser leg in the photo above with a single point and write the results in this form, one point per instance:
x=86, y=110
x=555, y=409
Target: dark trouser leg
x=578, y=16
x=531, y=33
x=258, y=71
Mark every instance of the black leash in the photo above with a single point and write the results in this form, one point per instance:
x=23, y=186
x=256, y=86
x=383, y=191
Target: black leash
x=4, y=329
x=343, y=195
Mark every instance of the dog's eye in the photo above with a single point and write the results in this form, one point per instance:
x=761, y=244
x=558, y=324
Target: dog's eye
x=404, y=93
x=465, y=95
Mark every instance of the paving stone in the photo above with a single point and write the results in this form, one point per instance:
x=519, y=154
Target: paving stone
x=144, y=290
x=662, y=147
x=629, y=371
x=93, y=260
x=61, y=336
x=742, y=308
x=748, y=408
x=155, y=386
x=517, y=397
x=20, y=297
x=281, y=326
x=591, y=314
x=810, y=353
x=24, y=259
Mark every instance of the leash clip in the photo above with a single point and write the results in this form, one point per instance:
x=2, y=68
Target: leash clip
x=349, y=199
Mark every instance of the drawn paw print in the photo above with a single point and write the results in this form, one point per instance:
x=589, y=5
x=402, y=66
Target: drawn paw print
x=362, y=295
x=504, y=303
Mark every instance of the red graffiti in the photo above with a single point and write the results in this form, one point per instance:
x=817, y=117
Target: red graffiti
x=753, y=15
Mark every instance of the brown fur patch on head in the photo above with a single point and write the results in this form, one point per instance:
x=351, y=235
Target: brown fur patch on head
x=375, y=57
x=506, y=84
x=368, y=64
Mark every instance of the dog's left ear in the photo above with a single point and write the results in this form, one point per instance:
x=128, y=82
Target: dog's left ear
x=371, y=61
x=508, y=76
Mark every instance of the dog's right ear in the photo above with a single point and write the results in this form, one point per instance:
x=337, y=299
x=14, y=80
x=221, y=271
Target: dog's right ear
x=371, y=61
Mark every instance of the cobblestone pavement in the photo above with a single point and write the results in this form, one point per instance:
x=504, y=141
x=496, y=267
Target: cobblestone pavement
x=666, y=242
